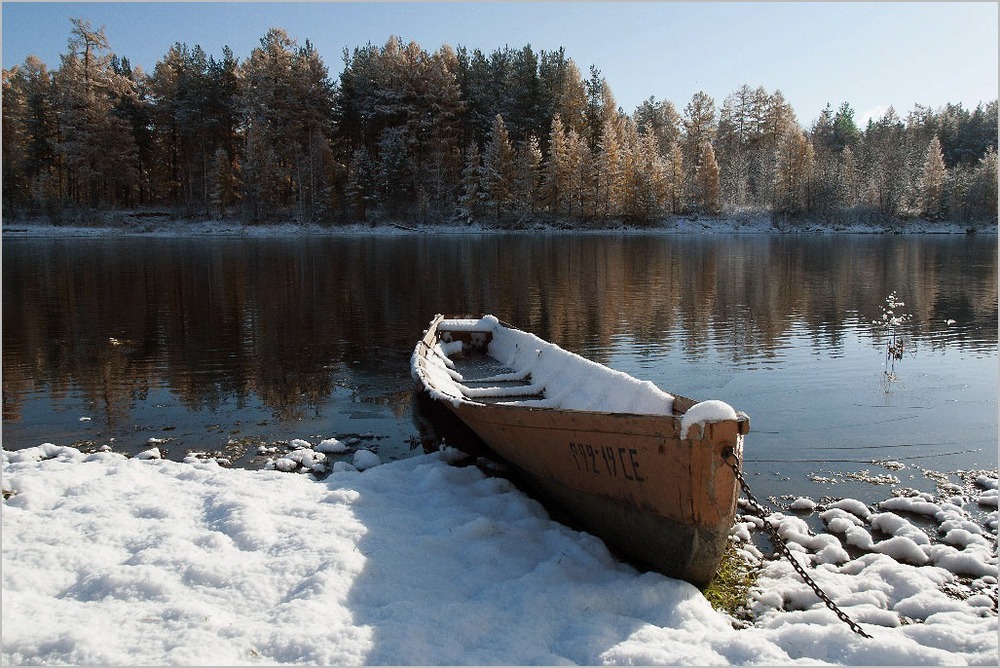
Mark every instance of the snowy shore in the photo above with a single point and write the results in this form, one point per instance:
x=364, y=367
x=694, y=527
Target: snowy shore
x=115, y=560
x=735, y=224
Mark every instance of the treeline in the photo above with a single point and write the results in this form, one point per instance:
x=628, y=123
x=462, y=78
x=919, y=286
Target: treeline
x=404, y=134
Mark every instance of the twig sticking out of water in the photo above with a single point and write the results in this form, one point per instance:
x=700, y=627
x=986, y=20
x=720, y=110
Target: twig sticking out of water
x=891, y=324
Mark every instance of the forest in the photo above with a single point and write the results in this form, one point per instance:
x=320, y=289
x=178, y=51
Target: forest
x=456, y=136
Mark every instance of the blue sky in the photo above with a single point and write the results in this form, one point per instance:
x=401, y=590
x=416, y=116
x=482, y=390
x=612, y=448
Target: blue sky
x=868, y=54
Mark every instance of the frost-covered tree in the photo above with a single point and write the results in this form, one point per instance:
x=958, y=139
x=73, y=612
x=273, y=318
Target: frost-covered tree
x=644, y=175
x=15, y=142
x=884, y=163
x=95, y=146
x=932, y=181
x=848, y=180
x=286, y=110
x=571, y=99
x=971, y=193
x=362, y=183
x=498, y=167
x=677, y=180
x=271, y=137
x=660, y=120
x=555, y=180
x=982, y=188
x=736, y=145
x=699, y=127
x=794, y=173
x=527, y=175
x=578, y=168
x=472, y=176
x=30, y=138
x=394, y=165
x=609, y=169
x=707, y=180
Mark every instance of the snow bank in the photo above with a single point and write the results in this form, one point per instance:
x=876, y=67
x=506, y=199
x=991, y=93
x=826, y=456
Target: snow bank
x=896, y=586
x=117, y=561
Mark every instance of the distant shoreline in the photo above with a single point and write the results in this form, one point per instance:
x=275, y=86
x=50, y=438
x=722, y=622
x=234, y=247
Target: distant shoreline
x=734, y=224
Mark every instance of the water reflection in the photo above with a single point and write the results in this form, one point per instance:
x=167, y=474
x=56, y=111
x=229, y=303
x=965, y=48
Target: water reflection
x=297, y=329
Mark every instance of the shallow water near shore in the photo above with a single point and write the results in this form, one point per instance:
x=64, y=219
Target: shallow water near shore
x=217, y=346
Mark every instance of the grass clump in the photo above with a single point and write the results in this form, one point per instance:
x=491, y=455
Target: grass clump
x=729, y=590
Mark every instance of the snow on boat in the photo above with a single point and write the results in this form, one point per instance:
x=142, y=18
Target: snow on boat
x=644, y=470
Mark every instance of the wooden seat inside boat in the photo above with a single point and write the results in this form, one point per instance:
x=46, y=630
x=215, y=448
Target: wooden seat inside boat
x=482, y=377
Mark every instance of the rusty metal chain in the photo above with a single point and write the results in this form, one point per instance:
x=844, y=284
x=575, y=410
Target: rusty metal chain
x=782, y=548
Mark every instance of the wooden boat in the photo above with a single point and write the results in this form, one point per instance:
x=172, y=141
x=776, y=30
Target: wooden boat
x=642, y=469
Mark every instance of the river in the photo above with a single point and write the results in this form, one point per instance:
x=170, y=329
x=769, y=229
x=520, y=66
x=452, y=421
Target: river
x=218, y=345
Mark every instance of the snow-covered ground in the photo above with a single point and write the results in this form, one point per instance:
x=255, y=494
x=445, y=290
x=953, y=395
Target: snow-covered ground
x=755, y=223
x=115, y=560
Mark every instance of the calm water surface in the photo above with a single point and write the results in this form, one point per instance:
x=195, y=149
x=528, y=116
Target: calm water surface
x=215, y=345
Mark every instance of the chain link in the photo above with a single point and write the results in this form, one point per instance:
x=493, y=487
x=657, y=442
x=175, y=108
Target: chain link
x=782, y=548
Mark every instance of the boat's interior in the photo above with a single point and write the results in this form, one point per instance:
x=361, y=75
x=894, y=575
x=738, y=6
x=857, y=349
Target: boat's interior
x=487, y=380
x=489, y=362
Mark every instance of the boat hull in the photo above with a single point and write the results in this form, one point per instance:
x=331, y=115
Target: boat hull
x=665, y=501
x=662, y=498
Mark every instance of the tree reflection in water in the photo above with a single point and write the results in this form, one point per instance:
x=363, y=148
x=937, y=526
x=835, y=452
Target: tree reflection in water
x=290, y=329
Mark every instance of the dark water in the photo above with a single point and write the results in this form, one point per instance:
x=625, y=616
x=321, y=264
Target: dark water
x=216, y=345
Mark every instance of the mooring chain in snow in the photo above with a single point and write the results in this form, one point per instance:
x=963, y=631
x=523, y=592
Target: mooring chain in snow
x=779, y=545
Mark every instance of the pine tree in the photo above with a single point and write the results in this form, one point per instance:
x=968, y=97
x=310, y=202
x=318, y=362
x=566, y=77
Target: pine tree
x=571, y=100
x=286, y=107
x=96, y=144
x=527, y=174
x=362, y=180
x=645, y=183
x=848, y=180
x=439, y=139
x=699, y=128
x=579, y=193
x=845, y=131
x=15, y=141
x=707, y=180
x=677, y=179
x=472, y=176
x=226, y=190
x=525, y=115
x=609, y=169
x=794, y=173
x=394, y=165
x=884, y=163
x=556, y=177
x=932, y=181
x=982, y=191
x=498, y=167
x=181, y=86
x=661, y=121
